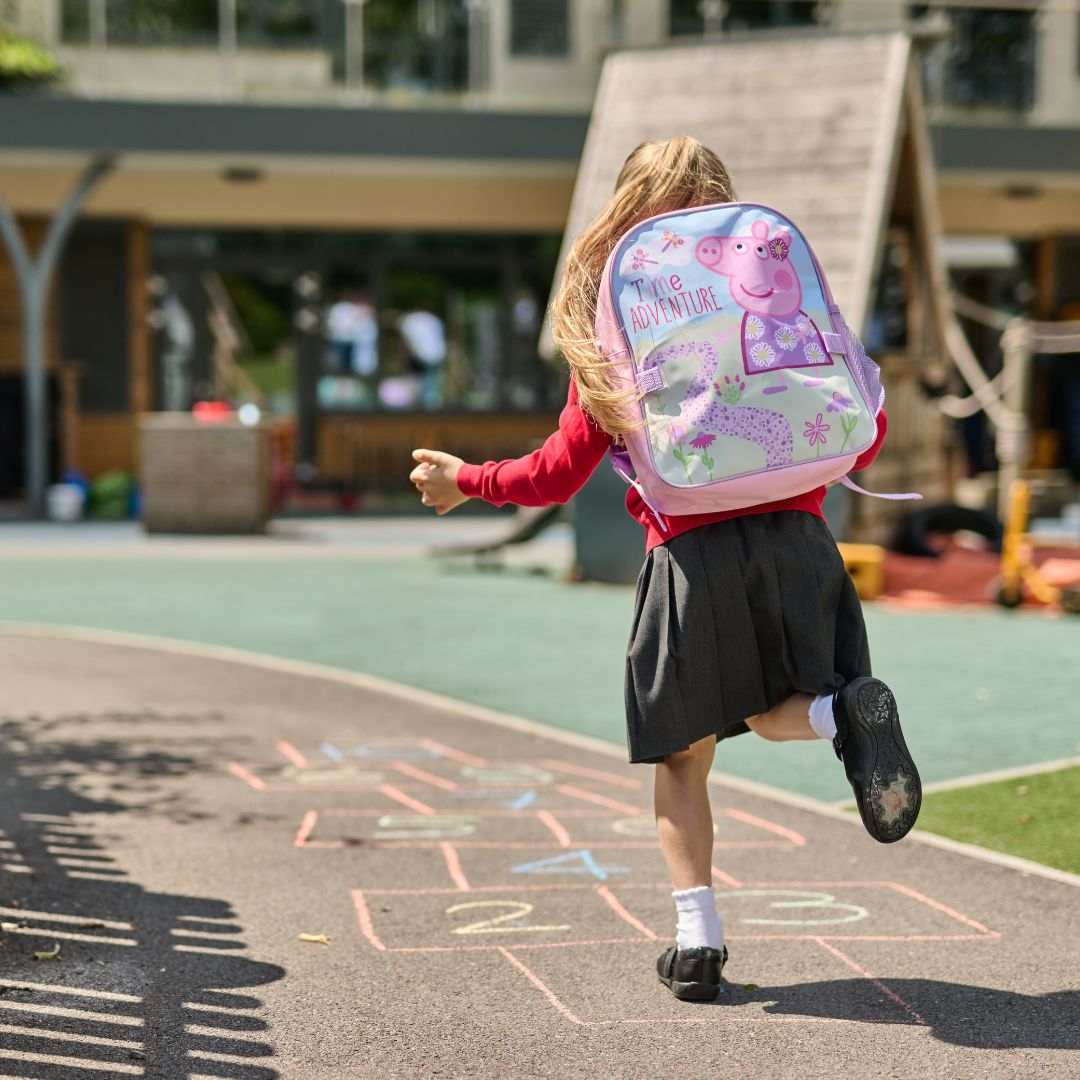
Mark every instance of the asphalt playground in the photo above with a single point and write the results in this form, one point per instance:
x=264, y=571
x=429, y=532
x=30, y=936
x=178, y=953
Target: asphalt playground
x=480, y=897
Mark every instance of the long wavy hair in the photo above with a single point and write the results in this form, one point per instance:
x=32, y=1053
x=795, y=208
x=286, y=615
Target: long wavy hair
x=657, y=178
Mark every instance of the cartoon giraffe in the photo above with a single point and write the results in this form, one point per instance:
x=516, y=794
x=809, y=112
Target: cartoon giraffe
x=768, y=429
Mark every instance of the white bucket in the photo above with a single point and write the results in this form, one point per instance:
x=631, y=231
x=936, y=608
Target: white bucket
x=65, y=502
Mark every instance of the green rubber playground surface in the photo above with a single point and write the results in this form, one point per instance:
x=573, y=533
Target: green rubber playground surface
x=978, y=691
x=1030, y=816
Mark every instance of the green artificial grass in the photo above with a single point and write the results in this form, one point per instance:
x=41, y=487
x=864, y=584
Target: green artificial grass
x=1034, y=817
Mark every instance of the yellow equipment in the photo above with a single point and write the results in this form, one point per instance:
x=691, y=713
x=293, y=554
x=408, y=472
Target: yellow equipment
x=1018, y=569
x=866, y=565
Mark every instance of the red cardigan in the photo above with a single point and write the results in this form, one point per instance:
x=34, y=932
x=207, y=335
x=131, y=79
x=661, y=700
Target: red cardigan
x=559, y=469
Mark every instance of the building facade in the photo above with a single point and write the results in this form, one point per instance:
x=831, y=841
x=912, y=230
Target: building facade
x=351, y=209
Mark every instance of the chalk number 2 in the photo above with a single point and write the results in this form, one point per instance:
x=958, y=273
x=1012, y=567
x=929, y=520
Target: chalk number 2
x=511, y=921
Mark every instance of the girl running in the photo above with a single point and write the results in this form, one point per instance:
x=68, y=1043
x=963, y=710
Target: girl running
x=744, y=620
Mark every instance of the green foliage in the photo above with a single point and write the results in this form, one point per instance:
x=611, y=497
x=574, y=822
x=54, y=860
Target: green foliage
x=265, y=322
x=110, y=495
x=23, y=61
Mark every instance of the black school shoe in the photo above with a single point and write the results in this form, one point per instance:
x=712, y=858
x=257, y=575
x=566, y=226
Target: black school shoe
x=876, y=759
x=692, y=974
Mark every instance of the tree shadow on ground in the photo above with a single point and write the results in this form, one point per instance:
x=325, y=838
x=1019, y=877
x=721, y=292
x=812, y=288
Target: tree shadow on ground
x=146, y=983
x=972, y=1016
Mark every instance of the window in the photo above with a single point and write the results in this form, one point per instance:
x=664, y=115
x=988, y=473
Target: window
x=259, y=23
x=416, y=45
x=377, y=322
x=687, y=17
x=539, y=27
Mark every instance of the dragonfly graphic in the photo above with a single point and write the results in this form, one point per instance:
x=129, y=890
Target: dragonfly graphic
x=641, y=258
x=671, y=240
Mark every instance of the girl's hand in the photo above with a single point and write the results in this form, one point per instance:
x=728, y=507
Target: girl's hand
x=436, y=480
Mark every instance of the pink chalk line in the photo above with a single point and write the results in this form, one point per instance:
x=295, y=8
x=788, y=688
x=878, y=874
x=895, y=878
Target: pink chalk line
x=568, y=1013
x=426, y=777
x=247, y=776
x=287, y=750
x=887, y=991
x=451, y=753
x=600, y=800
x=596, y=845
x=367, y=927
x=520, y=815
x=540, y=985
x=591, y=774
x=619, y=910
x=398, y=795
x=453, y=866
x=770, y=826
x=306, y=827
x=726, y=878
x=555, y=826
x=937, y=906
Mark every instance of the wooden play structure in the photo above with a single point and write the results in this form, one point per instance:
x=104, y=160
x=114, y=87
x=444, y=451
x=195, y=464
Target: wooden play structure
x=850, y=163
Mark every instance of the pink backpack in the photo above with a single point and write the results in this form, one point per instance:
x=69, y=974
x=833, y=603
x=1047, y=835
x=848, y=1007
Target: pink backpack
x=754, y=389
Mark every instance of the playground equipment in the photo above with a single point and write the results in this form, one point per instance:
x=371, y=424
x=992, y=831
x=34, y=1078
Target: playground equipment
x=1006, y=398
x=527, y=524
x=1018, y=568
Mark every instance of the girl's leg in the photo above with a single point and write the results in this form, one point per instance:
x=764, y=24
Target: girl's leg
x=683, y=815
x=788, y=720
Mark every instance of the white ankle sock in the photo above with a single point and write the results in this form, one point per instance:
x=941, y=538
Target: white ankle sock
x=821, y=716
x=699, y=921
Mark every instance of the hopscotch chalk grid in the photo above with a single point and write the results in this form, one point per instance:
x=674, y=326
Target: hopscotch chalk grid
x=582, y=870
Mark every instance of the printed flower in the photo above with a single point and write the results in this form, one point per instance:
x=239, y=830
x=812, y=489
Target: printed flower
x=812, y=352
x=753, y=327
x=785, y=337
x=678, y=432
x=702, y=440
x=840, y=402
x=778, y=248
x=731, y=390
x=803, y=324
x=815, y=430
x=762, y=355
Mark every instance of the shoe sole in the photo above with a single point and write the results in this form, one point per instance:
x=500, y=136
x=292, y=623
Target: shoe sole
x=894, y=776
x=692, y=991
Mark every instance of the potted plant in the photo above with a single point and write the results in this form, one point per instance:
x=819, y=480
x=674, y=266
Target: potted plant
x=24, y=64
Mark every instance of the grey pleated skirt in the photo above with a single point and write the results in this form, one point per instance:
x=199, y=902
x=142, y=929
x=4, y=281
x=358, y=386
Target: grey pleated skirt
x=732, y=618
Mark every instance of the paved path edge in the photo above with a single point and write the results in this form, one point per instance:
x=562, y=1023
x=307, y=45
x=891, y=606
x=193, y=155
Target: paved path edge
x=522, y=724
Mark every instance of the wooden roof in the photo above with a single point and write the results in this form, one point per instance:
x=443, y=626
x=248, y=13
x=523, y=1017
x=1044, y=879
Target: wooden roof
x=810, y=125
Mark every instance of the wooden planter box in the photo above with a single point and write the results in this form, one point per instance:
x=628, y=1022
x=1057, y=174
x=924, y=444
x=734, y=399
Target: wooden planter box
x=203, y=478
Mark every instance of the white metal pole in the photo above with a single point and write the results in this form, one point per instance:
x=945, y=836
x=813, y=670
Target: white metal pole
x=227, y=40
x=478, y=53
x=1012, y=442
x=35, y=277
x=99, y=43
x=354, y=46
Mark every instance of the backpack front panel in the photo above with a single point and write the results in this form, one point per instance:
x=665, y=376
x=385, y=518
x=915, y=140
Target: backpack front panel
x=726, y=305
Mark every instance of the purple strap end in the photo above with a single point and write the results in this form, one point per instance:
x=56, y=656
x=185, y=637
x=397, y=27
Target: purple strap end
x=849, y=483
x=621, y=463
x=650, y=380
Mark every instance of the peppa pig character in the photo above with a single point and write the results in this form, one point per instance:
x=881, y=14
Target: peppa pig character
x=776, y=332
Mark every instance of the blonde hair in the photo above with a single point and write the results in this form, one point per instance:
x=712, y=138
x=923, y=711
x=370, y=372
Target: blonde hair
x=657, y=177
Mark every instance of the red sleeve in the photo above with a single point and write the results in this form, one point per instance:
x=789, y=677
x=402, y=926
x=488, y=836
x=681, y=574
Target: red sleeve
x=552, y=474
x=866, y=458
